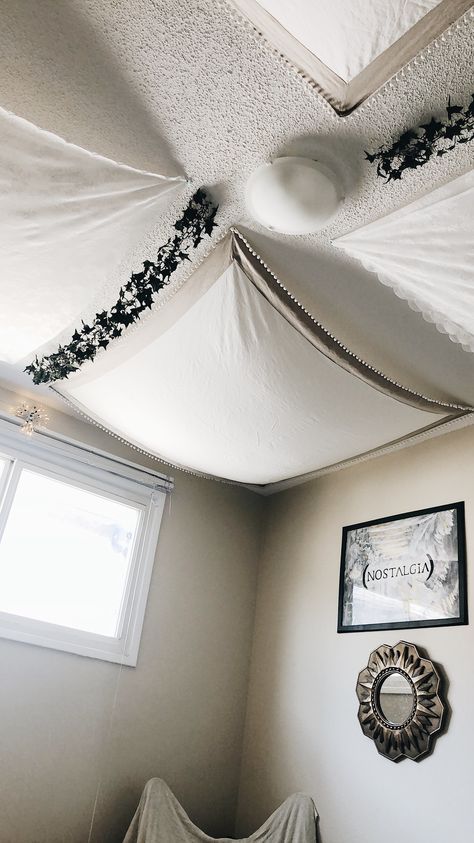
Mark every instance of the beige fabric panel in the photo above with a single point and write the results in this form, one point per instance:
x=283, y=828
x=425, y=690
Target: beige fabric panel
x=172, y=303
x=378, y=72
x=321, y=339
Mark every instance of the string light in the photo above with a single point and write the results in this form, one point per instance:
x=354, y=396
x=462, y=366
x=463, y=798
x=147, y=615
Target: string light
x=32, y=416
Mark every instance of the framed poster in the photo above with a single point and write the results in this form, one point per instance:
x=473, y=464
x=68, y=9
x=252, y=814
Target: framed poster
x=405, y=571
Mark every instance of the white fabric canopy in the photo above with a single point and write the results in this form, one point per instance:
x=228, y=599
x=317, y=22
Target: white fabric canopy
x=425, y=252
x=68, y=218
x=161, y=819
x=347, y=34
x=219, y=381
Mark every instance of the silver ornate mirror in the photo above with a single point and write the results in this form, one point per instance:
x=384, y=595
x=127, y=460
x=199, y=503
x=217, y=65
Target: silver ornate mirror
x=400, y=706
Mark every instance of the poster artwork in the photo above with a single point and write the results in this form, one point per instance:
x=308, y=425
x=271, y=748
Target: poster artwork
x=404, y=571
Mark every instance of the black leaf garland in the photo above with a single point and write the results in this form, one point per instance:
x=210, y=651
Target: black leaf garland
x=416, y=147
x=135, y=296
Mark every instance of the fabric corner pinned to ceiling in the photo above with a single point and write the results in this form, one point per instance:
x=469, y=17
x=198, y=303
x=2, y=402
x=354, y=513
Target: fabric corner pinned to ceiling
x=425, y=253
x=348, y=50
x=68, y=218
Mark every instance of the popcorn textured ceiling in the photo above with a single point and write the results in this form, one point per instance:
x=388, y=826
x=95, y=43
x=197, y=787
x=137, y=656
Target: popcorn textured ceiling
x=169, y=85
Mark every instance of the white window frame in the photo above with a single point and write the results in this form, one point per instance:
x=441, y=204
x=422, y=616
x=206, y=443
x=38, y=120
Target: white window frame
x=96, y=471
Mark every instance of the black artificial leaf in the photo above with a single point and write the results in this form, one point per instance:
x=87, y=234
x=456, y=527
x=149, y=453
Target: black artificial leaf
x=453, y=131
x=156, y=283
x=415, y=147
x=145, y=296
x=133, y=298
x=209, y=226
x=453, y=109
x=405, y=139
x=470, y=108
x=432, y=128
x=101, y=318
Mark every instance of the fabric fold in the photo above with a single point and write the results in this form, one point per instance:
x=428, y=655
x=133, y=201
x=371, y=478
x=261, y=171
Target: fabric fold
x=347, y=51
x=230, y=377
x=267, y=283
x=161, y=819
x=425, y=253
x=68, y=219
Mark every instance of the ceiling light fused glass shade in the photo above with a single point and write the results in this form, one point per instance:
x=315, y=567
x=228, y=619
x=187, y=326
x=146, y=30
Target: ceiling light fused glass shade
x=292, y=195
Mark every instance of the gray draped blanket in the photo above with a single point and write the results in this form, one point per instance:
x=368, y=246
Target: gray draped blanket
x=161, y=819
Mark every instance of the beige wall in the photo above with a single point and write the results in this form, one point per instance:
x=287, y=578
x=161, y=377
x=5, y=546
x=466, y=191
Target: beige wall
x=179, y=714
x=302, y=731
x=69, y=724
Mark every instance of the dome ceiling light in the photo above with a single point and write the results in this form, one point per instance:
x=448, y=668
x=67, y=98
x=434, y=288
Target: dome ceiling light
x=292, y=195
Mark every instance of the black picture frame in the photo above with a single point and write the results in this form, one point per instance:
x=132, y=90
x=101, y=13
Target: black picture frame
x=358, y=543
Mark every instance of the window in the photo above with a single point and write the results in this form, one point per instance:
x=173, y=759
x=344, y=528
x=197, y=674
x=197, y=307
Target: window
x=78, y=532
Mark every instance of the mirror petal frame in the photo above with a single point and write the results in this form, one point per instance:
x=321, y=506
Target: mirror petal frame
x=413, y=738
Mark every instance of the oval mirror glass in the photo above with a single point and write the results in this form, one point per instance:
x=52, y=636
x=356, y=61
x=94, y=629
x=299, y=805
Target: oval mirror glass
x=396, y=698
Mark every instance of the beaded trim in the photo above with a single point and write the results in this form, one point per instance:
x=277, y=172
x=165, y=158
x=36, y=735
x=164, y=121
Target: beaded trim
x=269, y=487
x=143, y=451
x=323, y=96
x=334, y=339
x=465, y=420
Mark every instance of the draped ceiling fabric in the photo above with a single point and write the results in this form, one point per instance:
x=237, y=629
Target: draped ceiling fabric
x=348, y=36
x=68, y=218
x=231, y=378
x=425, y=253
x=349, y=49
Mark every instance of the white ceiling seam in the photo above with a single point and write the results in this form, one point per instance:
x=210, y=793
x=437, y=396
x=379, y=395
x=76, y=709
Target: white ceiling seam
x=316, y=42
x=68, y=217
x=222, y=383
x=425, y=253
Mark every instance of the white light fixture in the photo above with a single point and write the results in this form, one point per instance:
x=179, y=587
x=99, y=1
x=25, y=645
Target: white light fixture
x=292, y=195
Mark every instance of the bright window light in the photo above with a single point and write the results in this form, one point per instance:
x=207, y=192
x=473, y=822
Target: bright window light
x=78, y=535
x=65, y=555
